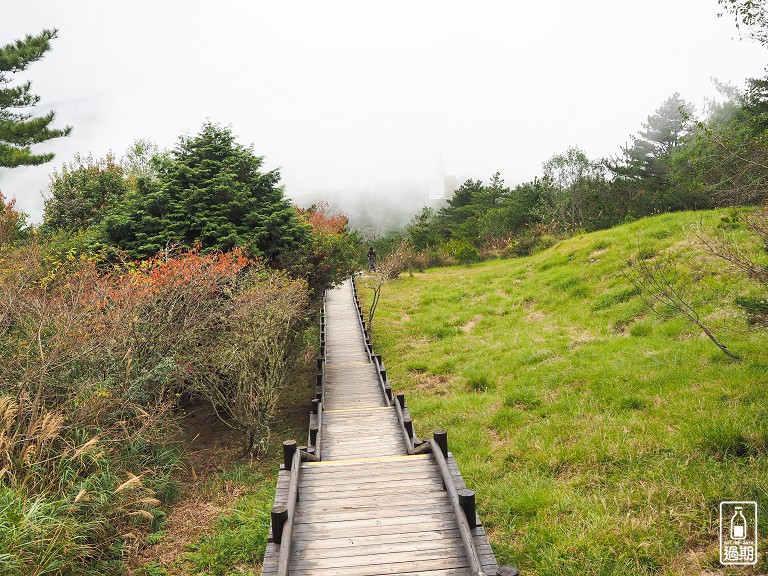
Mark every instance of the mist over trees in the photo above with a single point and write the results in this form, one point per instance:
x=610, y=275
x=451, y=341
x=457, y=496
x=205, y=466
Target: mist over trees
x=674, y=162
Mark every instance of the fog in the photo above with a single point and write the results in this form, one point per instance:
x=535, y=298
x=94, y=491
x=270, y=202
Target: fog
x=355, y=102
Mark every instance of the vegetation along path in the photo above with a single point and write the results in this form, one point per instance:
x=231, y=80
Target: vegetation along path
x=366, y=496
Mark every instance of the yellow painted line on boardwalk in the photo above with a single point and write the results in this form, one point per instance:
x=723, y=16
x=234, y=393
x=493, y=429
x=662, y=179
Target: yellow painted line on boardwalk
x=364, y=409
x=366, y=460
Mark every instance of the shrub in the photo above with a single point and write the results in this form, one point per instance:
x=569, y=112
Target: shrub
x=92, y=363
x=467, y=255
x=62, y=501
x=255, y=352
x=12, y=221
x=330, y=254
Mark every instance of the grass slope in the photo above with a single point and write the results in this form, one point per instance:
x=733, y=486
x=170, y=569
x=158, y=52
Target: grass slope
x=599, y=437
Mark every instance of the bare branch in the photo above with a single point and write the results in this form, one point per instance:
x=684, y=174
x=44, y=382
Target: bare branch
x=662, y=289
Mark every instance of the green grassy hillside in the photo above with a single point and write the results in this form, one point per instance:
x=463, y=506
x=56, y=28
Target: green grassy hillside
x=600, y=438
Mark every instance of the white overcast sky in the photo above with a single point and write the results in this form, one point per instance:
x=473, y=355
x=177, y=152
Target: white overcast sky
x=357, y=101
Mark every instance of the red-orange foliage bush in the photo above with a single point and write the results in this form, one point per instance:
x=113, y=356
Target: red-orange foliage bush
x=332, y=253
x=11, y=220
x=321, y=219
x=91, y=363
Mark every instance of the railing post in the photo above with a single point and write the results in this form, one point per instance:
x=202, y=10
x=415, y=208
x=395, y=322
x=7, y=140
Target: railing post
x=279, y=516
x=289, y=449
x=441, y=437
x=467, y=502
x=401, y=400
x=408, y=423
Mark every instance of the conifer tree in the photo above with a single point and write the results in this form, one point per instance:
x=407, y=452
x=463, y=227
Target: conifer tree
x=19, y=129
x=208, y=191
x=646, y=158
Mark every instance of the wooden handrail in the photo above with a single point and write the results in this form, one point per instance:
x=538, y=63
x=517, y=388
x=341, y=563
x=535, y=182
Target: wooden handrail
x=382, y=382
x=464, y=530
x=318, y=439
x=375, y=359
x=287, y=536
x=371, y=356
x=360, y=315
x=401, y=420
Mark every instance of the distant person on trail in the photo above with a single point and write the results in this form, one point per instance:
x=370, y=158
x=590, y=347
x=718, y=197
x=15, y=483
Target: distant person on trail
x=371, y=259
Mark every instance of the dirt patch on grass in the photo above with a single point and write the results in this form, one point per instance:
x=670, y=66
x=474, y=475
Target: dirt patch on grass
x=471, y=324
x=438, y=384
x=595, y=256
x=582, y=340
x=534, y=318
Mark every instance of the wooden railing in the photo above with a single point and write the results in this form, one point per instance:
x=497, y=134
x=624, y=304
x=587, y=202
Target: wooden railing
x=386, y=389
x=293, y=455
x=282, y=532
x=440, y=452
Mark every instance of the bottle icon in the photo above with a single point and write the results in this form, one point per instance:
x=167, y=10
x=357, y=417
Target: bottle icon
x=738, y=525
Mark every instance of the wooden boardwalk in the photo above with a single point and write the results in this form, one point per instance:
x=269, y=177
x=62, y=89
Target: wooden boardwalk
x=368, y=507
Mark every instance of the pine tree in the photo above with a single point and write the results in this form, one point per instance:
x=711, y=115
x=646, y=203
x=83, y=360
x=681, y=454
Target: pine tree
x=211, y=192
x=19, y=129
x=646, y=158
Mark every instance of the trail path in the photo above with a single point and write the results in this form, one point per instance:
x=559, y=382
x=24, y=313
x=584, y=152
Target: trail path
x=368, y=508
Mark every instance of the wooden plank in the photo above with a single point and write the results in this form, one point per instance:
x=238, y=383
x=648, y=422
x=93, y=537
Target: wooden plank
x=368, y=468
x=351, y=474
x=347, y=451
x=304, y=516
x=365, y=542
x=355, y=475
x=376, y=448
x=374, y=431
x=375, y=549
x=370, y=430
x=348, y=410
x=371, y=490
x=383, y=413
x=418, y=566
x=340, y=425
x=371, y=526
x=393, y=461
x=379, y=553
x=442, y=553
x=365, y=414
x=387, y=439
x=364, y=432
x=380, y=502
